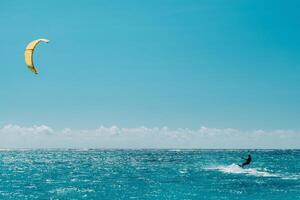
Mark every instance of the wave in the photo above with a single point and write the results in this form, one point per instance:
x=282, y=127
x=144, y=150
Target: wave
x=235, y=169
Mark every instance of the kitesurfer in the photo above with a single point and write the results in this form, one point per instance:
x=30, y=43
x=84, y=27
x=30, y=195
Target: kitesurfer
x=247, y=161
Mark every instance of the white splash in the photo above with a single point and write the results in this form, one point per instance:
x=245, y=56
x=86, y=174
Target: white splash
x=235, y=169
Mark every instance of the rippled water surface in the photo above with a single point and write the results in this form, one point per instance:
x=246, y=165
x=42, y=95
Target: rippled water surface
x=149, y=174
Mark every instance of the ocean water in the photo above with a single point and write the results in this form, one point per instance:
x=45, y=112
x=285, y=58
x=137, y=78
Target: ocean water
x=149, y=174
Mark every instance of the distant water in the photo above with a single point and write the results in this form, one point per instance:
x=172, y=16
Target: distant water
x=149, y=174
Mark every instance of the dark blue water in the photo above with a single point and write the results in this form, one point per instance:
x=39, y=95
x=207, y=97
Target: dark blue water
x=149, y=174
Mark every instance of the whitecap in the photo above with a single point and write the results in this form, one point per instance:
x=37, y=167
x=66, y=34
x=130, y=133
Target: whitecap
x=235, y=169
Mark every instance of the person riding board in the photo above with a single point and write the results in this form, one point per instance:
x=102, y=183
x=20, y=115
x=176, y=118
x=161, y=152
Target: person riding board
x=247, y=161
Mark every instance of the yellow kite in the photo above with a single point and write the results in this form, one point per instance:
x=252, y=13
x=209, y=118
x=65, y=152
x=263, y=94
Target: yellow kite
x=29, y=54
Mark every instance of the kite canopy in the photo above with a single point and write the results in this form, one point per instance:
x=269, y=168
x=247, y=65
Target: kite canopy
x=29, y=54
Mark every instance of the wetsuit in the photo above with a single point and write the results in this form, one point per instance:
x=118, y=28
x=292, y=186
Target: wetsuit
x=247, y=161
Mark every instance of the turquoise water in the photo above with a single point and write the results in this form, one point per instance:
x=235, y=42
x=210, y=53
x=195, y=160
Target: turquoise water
x=149, y=174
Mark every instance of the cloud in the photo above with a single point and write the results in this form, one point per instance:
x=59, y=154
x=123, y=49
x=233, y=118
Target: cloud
x=14, y=136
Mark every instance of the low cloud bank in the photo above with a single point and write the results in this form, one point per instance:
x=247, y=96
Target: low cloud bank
x=14, y=136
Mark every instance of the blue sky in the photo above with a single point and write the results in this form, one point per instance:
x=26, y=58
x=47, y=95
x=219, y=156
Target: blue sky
x=187, y=63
